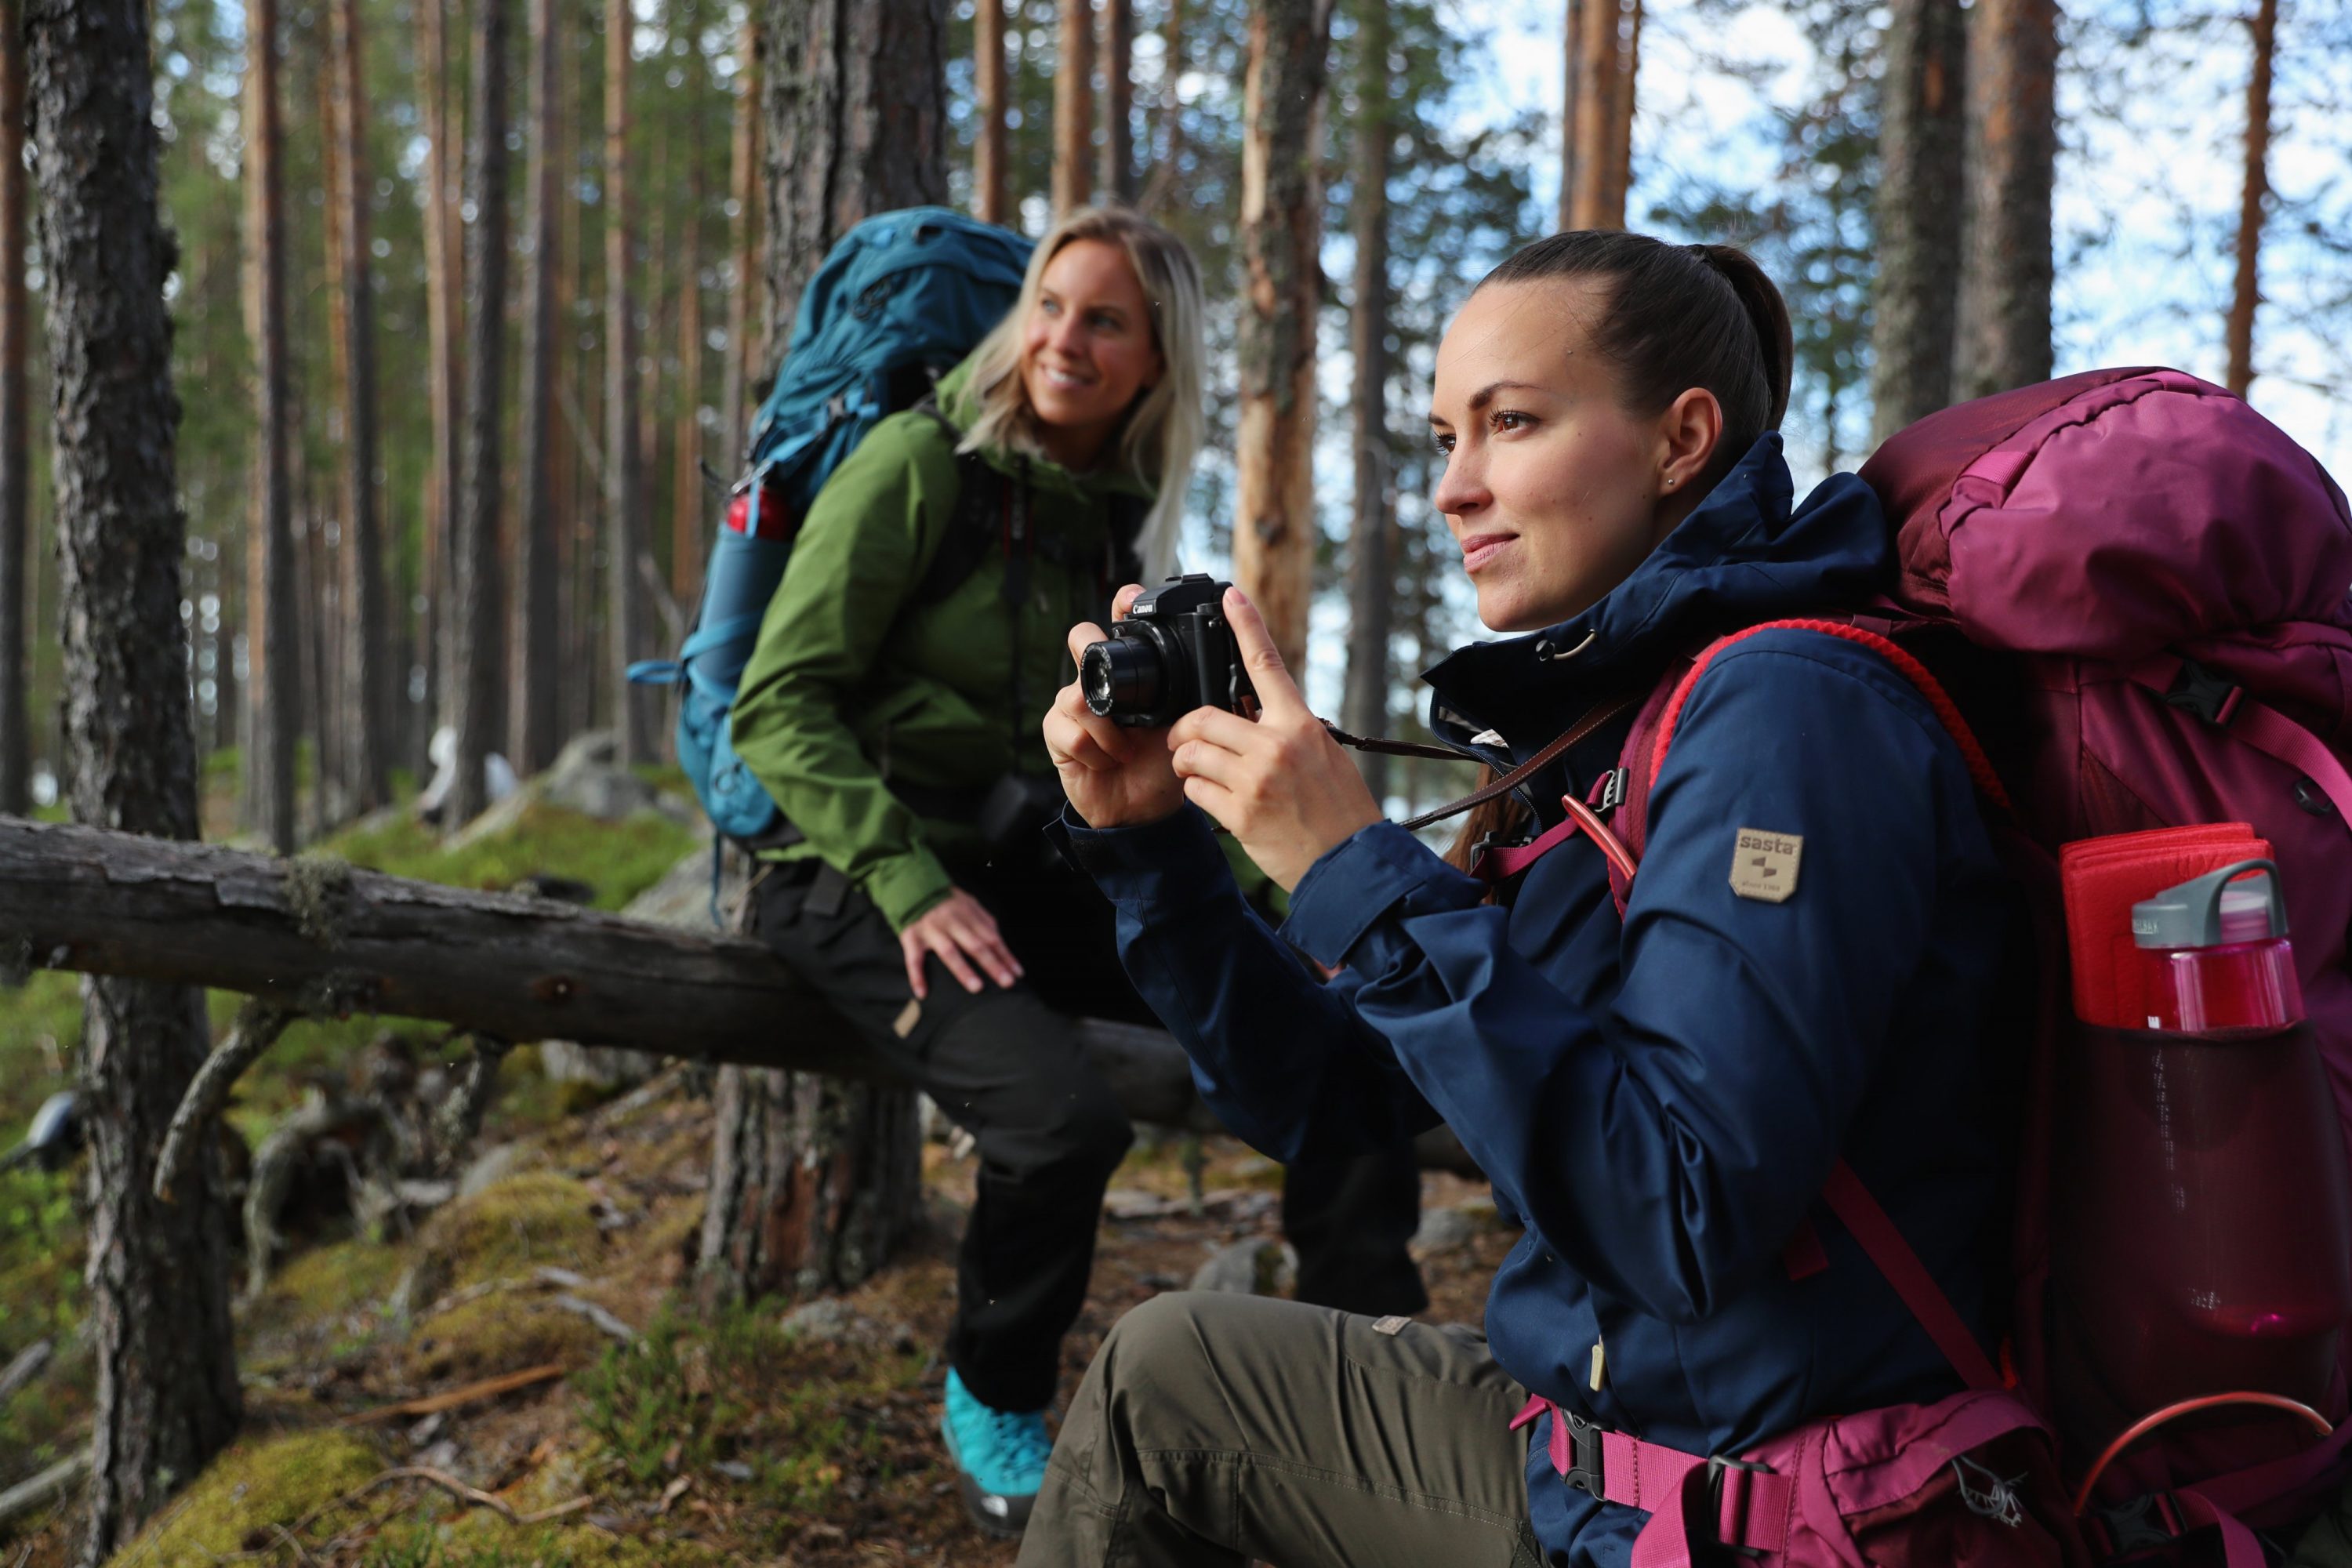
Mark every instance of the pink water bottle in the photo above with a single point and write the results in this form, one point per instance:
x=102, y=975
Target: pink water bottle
x=2202, y=1210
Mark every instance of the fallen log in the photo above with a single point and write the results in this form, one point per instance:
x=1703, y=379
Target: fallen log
x=316, y=935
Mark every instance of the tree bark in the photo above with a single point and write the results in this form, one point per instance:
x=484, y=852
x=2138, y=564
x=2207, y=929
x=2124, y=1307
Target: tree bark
x=317, y=936
x=271, y=632
x=367, y=678
x=15, y=445
x=624, y=601
x=1073, y=108
x=825, y=1172
x=1571, y=87
x=442, y=391
x=1170, y=132
x=1372, y=577
x=2012, y=157
x=480, y=668
x=989, y=151
x=1604, y=103
x=1282, y=232
x=686, y=440
x=1117, y=178
x=167, y=1398
x=744, y=230
x=2247, y=292
x=1922, y=128
x=538, y=657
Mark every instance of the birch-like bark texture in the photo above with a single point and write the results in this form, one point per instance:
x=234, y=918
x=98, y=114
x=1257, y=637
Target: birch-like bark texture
x=1073, y=108
x=1282, y=232
x=989, y=151
x=166, y=1397
x=270, y=630
x=15, y=443
x=481, y=663
x=1922, y=128
x=1371, y=573
x=2012, y=159
x=367, y=684
x=534, y=721
x=2246, y=293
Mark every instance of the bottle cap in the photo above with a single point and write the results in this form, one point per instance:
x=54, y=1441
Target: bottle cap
x=2237, y=903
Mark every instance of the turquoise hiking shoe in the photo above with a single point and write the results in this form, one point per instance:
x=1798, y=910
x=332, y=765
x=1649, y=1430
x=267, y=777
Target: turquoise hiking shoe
x=1001, y=1456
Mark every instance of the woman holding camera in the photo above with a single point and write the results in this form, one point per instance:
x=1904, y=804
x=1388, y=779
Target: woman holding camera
x=890, y=707
x=1660, y=1096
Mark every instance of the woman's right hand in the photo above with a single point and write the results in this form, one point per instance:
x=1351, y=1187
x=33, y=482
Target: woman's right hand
x=1115, y=777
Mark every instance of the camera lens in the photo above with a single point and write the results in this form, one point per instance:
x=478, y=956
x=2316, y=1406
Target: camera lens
x=1120, y=677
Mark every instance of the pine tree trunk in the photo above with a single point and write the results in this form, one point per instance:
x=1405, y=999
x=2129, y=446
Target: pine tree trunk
x=1603, y=99
x=989, y=153
x=1371, y=575
x=744, y=230
x=367, y=677
x=2012, y=158
x=481, y=589
x=2247, y=293
x=16, y=447
x=815, y=1181
x=1922, y=128
x=1571, y=87
x=1281, y=229
x=442, y=286
x=167, y=1398
x=624, y=604
x=686, y=439
x=536, y=653
x=271, y=632
x=1073, y=108
x=1169, y=134
x=1116, y=180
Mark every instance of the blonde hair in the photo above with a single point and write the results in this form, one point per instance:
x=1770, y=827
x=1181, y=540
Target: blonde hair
x=1163, y=430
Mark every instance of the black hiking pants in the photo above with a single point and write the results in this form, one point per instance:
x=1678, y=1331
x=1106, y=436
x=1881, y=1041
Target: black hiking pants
x=1005, y=1065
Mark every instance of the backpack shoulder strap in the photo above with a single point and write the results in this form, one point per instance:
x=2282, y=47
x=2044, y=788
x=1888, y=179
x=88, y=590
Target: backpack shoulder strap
x=1654, y=730
x=974, y=526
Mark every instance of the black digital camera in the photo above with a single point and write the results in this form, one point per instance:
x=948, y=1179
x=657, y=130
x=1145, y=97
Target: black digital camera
x=1174, y=652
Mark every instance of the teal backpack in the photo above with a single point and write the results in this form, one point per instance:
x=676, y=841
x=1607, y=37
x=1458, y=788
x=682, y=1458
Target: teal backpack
x=898, y=302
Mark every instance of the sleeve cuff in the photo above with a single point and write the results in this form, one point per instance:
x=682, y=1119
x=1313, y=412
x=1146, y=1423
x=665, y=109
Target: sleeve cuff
x=1175, y=859
x=906, y=887
x=1358, y=882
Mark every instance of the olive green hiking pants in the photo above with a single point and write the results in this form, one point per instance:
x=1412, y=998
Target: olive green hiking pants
x=1216, y=1430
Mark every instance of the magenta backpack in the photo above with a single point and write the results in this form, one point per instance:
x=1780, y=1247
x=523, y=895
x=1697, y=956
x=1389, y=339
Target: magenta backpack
x=2151, y=586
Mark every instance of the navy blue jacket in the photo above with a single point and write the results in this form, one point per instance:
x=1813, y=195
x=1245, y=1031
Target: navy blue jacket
x=1660, y=1099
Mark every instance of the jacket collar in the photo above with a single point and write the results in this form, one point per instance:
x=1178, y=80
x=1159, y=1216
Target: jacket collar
x=1746, y=555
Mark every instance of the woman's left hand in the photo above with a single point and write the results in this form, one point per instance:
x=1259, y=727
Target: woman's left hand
x=1280, y=785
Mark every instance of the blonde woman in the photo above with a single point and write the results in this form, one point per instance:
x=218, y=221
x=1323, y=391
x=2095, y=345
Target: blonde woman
x=890, y=708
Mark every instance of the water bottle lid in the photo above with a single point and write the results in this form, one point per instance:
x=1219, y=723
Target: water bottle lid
x=2213, y=909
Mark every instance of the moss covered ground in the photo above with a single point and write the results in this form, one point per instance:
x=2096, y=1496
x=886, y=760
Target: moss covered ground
x=738, y=1435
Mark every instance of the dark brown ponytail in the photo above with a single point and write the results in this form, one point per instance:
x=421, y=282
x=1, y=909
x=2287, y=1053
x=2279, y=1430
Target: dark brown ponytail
x=1678, y=316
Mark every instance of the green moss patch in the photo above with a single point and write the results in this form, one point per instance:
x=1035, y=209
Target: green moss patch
x=619, y=859
x=510, y=1228
x=250, y=1493
x=503, y=1332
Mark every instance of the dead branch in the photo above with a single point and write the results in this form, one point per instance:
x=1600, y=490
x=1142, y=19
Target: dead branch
x=258, y=1024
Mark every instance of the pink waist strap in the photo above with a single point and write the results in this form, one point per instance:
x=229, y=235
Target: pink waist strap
x=1752, y=1504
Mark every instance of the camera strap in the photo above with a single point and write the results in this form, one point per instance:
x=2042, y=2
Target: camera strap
x=1600, y=713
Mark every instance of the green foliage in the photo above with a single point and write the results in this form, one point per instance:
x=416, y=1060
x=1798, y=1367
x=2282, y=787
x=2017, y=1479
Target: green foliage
x=248, y=1495
x=619, y=859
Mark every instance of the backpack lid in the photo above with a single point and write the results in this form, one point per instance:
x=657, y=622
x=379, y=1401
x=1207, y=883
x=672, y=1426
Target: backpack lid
x=2110, y=515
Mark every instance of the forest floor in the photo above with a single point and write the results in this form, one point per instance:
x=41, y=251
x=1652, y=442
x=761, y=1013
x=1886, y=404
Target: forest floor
x=645, y=1428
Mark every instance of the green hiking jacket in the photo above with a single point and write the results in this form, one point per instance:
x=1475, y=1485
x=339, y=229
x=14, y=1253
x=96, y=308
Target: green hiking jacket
x=855, y=685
